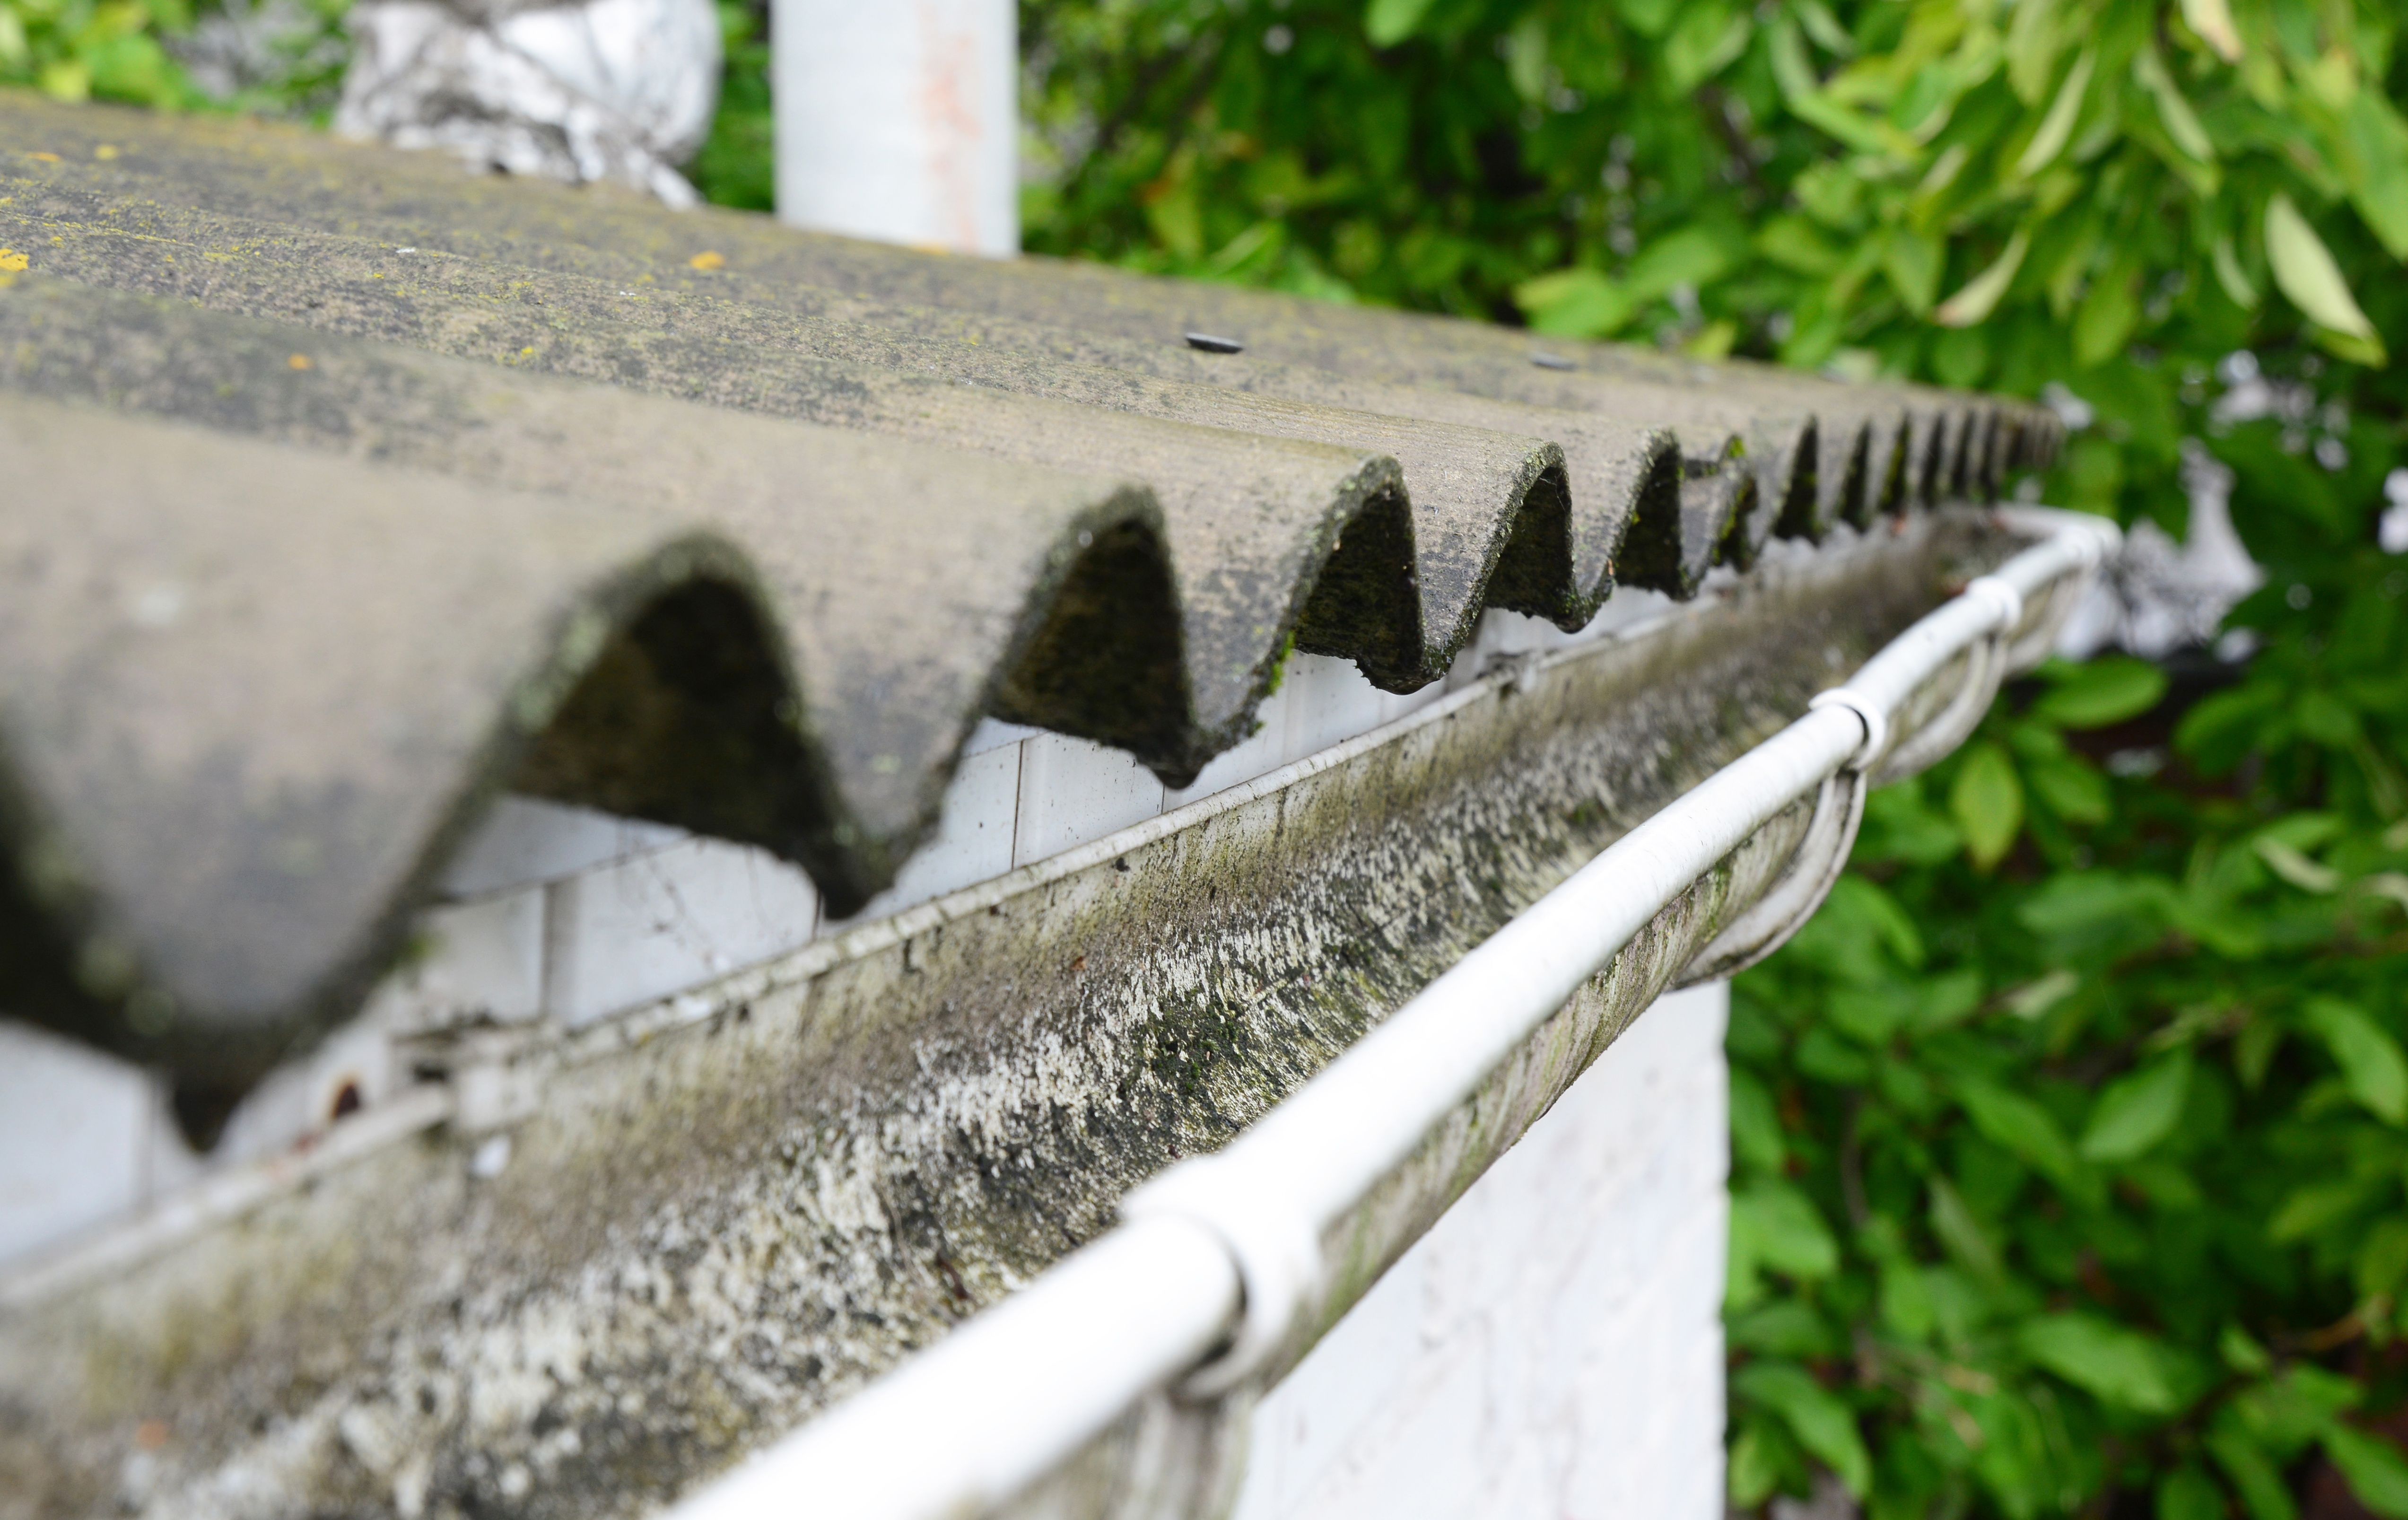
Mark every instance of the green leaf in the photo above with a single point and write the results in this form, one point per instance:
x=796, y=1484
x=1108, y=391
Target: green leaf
x=2374, y=160
x=2113, y=1364
x=2102, y=692
x=2072, y=789
x=2309, y=1209
x=1704, y=43
x=1904, y=1300
x=2305, y=272
x=1820, y=1418
x=1979, y=295
x=1987, y=802
x=2370, y=1058
x=2212, y=21
x=1824, y=28
x=1795, y=244
x=1576, y=303
x=1649, y=18
x=1787, y=1327
x=1388, y=22
x=2241, y=1351
x=2074, y=904
x=2230, y=274
x=1961, y=1234
x=1755, y=1125
x=1755, y=1465
x=1526, y=57
x=1802, y=93
x=2295, y=866
x=1694, y=256
x=2035, y=998
x=2023, y=1128
x=1778, y=1225
x=2033, y=38
x=2187, y=1492
x=2105, y=318
x=2181, y=123
x=2135, y=1112
x=1912, y=263
x=2056, y=128
x=2374, y=1468
x=2382, y=1261
x=2287, y=1411
x=2254, y=1474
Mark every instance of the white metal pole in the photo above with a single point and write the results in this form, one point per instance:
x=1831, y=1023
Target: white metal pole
x=899, y=119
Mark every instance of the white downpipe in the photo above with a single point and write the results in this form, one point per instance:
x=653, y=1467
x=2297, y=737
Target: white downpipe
x=1220, y=1252
x=899, y=120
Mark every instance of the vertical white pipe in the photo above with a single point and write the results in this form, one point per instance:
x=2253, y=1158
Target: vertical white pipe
x=899, y=119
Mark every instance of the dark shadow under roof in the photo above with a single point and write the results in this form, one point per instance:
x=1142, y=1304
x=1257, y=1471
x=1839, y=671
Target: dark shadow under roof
x=346, y=489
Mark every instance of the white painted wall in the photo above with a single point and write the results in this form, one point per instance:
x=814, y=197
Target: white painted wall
x=899, y=119
x=1553, y=1349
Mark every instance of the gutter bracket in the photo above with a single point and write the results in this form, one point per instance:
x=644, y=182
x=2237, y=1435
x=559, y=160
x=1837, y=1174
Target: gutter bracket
x=1270, y=1239
x=1840, y=806
x=1814, y=870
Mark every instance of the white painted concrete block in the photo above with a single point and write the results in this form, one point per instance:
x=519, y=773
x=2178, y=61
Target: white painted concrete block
x=1501, y=639
x=526, y=840
x=973, y=839
x=473, y=962
x=74, y=1134
x=1328, y=703
x=352, y=1070
x=1628, y=607
x=1551, y=1350
x=993, y=734
x=1259, y=753
x=1072, y=791
x=1395, y=705
x=663, y=923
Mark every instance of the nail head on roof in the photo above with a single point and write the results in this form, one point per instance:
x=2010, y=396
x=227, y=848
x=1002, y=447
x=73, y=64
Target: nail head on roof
x=1214, y=345
x=1551, y=361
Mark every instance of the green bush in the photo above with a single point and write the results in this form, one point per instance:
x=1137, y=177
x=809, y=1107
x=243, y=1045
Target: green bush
x=126, y=51
x=77, y=49
x=2070, y=1168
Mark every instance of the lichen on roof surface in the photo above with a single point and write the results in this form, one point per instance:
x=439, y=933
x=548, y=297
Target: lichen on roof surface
x=358, y=489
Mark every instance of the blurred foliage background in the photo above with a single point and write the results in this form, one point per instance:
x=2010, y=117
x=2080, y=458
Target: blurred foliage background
x=2070, y=1141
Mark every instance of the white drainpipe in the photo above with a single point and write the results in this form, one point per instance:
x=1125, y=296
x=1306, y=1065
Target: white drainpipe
x=899, y=119
x=1217, y=1254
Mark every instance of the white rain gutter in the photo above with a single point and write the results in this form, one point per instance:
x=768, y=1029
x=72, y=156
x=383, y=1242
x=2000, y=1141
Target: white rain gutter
x=1218, y=1254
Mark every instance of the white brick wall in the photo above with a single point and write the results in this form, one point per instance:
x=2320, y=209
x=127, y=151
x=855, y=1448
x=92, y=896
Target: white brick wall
x=1553, y=1349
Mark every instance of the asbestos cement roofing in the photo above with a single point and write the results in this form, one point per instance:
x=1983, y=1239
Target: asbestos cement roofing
x=345, y=489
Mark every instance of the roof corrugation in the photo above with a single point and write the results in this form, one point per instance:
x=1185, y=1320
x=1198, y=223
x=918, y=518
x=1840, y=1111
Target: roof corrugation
x=347, y=488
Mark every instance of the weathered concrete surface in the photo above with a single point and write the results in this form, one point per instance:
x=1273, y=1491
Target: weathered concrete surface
x=724, y=1217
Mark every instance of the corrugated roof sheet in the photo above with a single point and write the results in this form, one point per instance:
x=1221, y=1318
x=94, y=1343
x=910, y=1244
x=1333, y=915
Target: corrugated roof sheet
x=345, y=488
